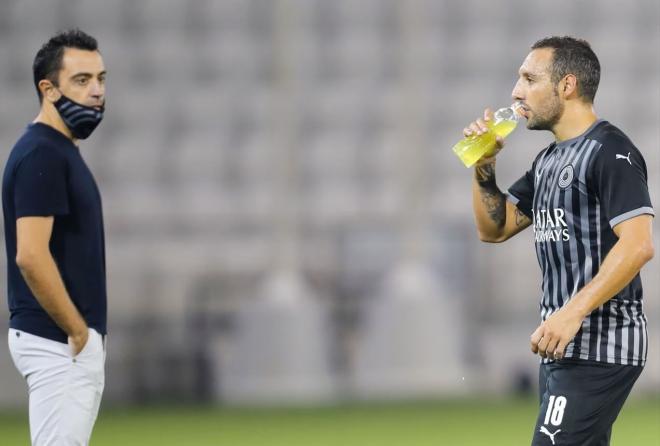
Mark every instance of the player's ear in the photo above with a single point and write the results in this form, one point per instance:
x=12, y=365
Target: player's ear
x=568, y=85
x=48, y=90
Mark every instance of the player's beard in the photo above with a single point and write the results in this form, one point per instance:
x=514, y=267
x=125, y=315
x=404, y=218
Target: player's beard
x=547, y=116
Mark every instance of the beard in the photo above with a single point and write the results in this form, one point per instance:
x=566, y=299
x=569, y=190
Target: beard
x=547, y=116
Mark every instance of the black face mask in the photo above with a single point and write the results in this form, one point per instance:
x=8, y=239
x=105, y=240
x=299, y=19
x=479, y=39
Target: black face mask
x=80, y=119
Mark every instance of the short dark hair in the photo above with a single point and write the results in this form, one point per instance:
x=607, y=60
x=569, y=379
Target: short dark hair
x=574, y=56
x=48, y=61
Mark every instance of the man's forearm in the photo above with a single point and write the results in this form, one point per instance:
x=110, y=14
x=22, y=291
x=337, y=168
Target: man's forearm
x=488, y=201
x=622, y=264
x=43, y=278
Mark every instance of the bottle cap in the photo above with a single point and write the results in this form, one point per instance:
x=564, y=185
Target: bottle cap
x=517, y=108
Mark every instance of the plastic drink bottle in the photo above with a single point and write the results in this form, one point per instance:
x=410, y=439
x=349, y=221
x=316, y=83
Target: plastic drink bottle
x=472, y=148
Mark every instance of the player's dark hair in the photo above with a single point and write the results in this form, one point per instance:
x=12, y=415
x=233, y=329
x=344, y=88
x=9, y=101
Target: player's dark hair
x=48, y=61
x=574, y=56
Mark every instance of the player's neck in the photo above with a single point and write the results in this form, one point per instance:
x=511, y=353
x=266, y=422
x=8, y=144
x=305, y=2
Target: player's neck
x=49, y=116
x=576, y=119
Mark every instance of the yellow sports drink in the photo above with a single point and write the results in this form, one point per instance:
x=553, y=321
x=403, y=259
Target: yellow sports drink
x=472, y=148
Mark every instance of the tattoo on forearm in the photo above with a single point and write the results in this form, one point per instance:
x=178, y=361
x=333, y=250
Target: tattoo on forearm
x=492, y=198
x=495, y=205
x=485, y=173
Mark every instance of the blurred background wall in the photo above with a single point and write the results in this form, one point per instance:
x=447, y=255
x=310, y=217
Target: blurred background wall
x=285, y=219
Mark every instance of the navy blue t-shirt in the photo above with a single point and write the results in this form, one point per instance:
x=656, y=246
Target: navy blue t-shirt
x=46, y=175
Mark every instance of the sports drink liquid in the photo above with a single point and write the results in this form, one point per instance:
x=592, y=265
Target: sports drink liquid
x=472, y=148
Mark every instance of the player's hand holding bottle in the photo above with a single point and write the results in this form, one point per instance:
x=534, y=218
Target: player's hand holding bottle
x=484, y=138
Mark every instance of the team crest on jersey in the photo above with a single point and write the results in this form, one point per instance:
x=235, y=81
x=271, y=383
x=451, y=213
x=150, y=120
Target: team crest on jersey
x=566, y=176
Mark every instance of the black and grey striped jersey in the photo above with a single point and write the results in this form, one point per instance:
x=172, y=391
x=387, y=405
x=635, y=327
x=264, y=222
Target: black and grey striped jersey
x=576, y=192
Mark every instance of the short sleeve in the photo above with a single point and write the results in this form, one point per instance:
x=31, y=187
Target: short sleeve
x=521, y=193
x=40, y=186
x=620, y=179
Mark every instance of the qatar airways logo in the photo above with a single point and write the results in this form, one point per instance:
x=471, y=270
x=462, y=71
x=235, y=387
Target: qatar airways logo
x=550, y=225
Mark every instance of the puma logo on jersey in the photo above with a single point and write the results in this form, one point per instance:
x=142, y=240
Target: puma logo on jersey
x=544, y=430
x=621, y=157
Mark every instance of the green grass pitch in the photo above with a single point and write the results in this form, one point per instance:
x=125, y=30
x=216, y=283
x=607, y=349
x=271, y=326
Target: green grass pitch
x=451, y=423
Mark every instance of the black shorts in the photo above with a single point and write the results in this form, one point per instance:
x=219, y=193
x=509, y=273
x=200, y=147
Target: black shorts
x=580, y=401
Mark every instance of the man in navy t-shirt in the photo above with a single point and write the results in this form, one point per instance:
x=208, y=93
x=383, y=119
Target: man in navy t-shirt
x=55, y=245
